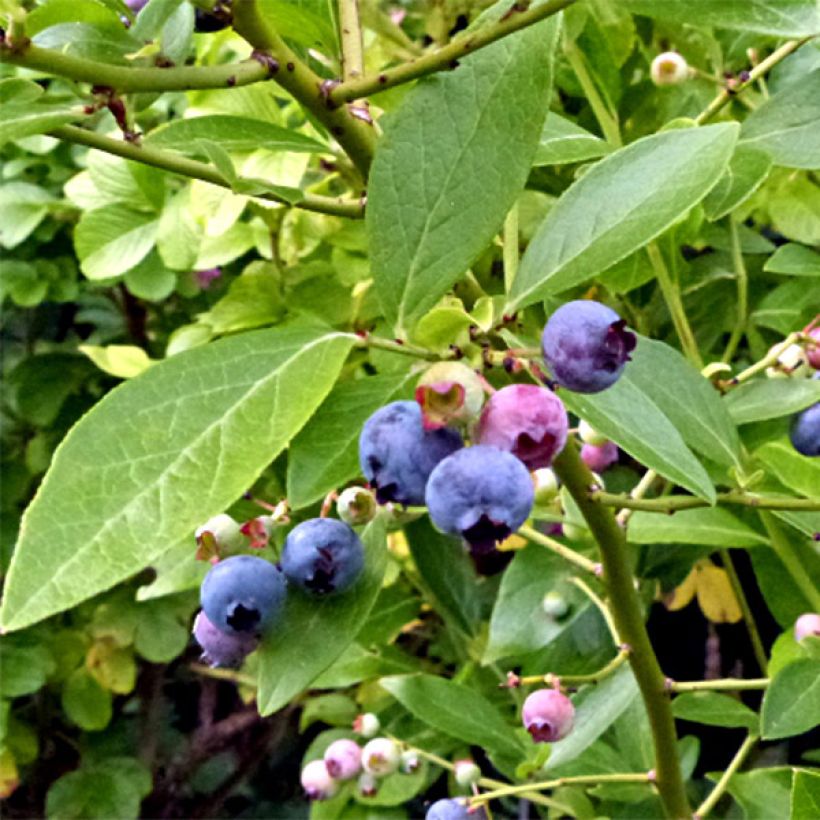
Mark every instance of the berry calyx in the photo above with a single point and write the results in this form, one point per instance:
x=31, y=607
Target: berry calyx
x=548, y=715
x=367, y=725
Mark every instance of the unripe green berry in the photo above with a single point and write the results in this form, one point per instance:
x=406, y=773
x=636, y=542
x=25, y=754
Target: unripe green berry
x=356, y=506
x=546, y=486
x=669, y=68
x=381, y=757
x=466, y=773
x=449, y=393
x=589, y=435
x=555, y=605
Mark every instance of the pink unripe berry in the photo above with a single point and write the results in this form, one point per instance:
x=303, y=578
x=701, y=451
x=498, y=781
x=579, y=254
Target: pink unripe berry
x=317, y=782
x=343, y=759
x=813, y=348
x=548, y=715
x=805, y=625
x=599, y=457
x=526, y=420
x=381, y=757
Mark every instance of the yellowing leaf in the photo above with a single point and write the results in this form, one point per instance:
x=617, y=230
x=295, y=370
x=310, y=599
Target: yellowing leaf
x=9, y=778
x=122, y=361
x=112, y=667
x=513, y=542
x=716, y=597
x=683, y=594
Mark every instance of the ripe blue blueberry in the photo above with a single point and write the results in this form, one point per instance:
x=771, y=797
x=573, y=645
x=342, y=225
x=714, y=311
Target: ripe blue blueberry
x=322, y=556
x=526, y=420
x=453, y=809
x=805, y=431
x=243, y=595
x=219, y=648
x=586, y=346
x=397, y=455
x=481, y=493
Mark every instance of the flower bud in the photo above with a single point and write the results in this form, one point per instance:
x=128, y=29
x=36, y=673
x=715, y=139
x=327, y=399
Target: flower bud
x=217, y=537
x=555, y=605
x=356, y=505
x=546, y=486
x=409, y=762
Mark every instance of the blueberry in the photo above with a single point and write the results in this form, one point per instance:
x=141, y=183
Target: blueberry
x=805, y=431
x=322, y=556
x=452, y=809
x=216, y=19
x=397, y=455
x=547, y=715
x=586, y=346
x=481, y=493
x=343, y=759
x=526, y=420
x=317, y=782
x=813, y=348
x=243, y=595
x=599, y=457
x=219, y=648
x=805, y=625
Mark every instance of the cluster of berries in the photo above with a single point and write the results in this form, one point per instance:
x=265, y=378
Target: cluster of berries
x=243, y=596
x=485, y=492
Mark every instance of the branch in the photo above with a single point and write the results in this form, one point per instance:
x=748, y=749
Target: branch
x=445, y=57
x=672, y=503
x=737, y=761
x=177, y=164
x=625, y=606
x=758, y=71
x=124, y=79
x=720, y=685
x=354, y=133
x=552, y=679
x=350, y=37
x=558, y=548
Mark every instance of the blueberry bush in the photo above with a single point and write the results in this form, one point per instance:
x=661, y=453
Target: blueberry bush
x=411, y=409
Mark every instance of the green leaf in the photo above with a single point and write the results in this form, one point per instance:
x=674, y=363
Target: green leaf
x=153, y=17
x=795, y=260
x=195, y=430
x=109, y=241
x=747, y=169
x=786, y=18
x=785, y=126
x=763, y=794
x=85, y=702
x=627, y=416
x=54, y=12
x=106, y=43
x=23, y=118
x=805, y=798
x=160, y=636
x=687, y=399
x=562, y=142
x=122, y=361
x=794, y=207
x=314, y=633
x=713, y=709
x=25, y=668
x=233, y=134
x=800, y=473
x=611, y=211
x=22, y=208
x=711, y=526
x=519, y=624
x=151, y=279
x=596, y=709
x=447, y=573
x=334, y=709
x=456, y=710
x=762, y=399
x=325, y=455
x=791, y=704
x=451, y=163
x=786, y=601
x=309, y=22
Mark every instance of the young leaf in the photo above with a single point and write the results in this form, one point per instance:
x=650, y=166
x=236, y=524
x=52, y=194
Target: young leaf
x=611, y=211
x=713, y=709
x=712, y=526
x=791, y=704
x=456, y=710
x=159, y=455
x=313, y=633
x=450, y=165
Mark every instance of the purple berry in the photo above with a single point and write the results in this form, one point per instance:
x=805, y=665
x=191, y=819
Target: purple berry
x=397, y=455
x=316, y=781
x=322, y=556
x=548, y=715
x=480, y=493
x=813, y=348
x=136, y=5
x=586, y=346
x=599, y=458
x=452, y=809
x=526, y=420
x=243, y=595
x=343, y=759
x=805, y=431
x=220, y=648
x=805, y=625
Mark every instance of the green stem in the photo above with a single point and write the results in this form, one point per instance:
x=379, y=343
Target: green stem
x=124, y=79
x=742, y=292
x=720, y=787
x=354, y=133
x=178, y=164
x=350, y=37
x=748, y=617
x=602, y=608
x=606, y=119
x=674, y=304
x=769, y=359
x=625, y=606
x=720, y=685
x=395, y=346
x=576, y=780
x=576, y=680
x=758, y=71
x=637, y=492
x=558, y=548
x=791, y=560
x=444, y=58
x=673, y=503
x=510, y=252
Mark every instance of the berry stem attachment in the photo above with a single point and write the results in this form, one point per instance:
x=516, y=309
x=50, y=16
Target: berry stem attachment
x=578, y=680
x=719, y=685
x=720, y=787
x=628, y=617
x=397, y=346
x=558, y=548
x=769, y=359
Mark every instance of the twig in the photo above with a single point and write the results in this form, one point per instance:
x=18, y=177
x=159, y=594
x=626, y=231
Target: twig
x=673, y=503
x=559, y=549
x=576, y=780
x=720, y=787
x=606, y=613
x=719, y=685
x=577, y=680
x=638, y=491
